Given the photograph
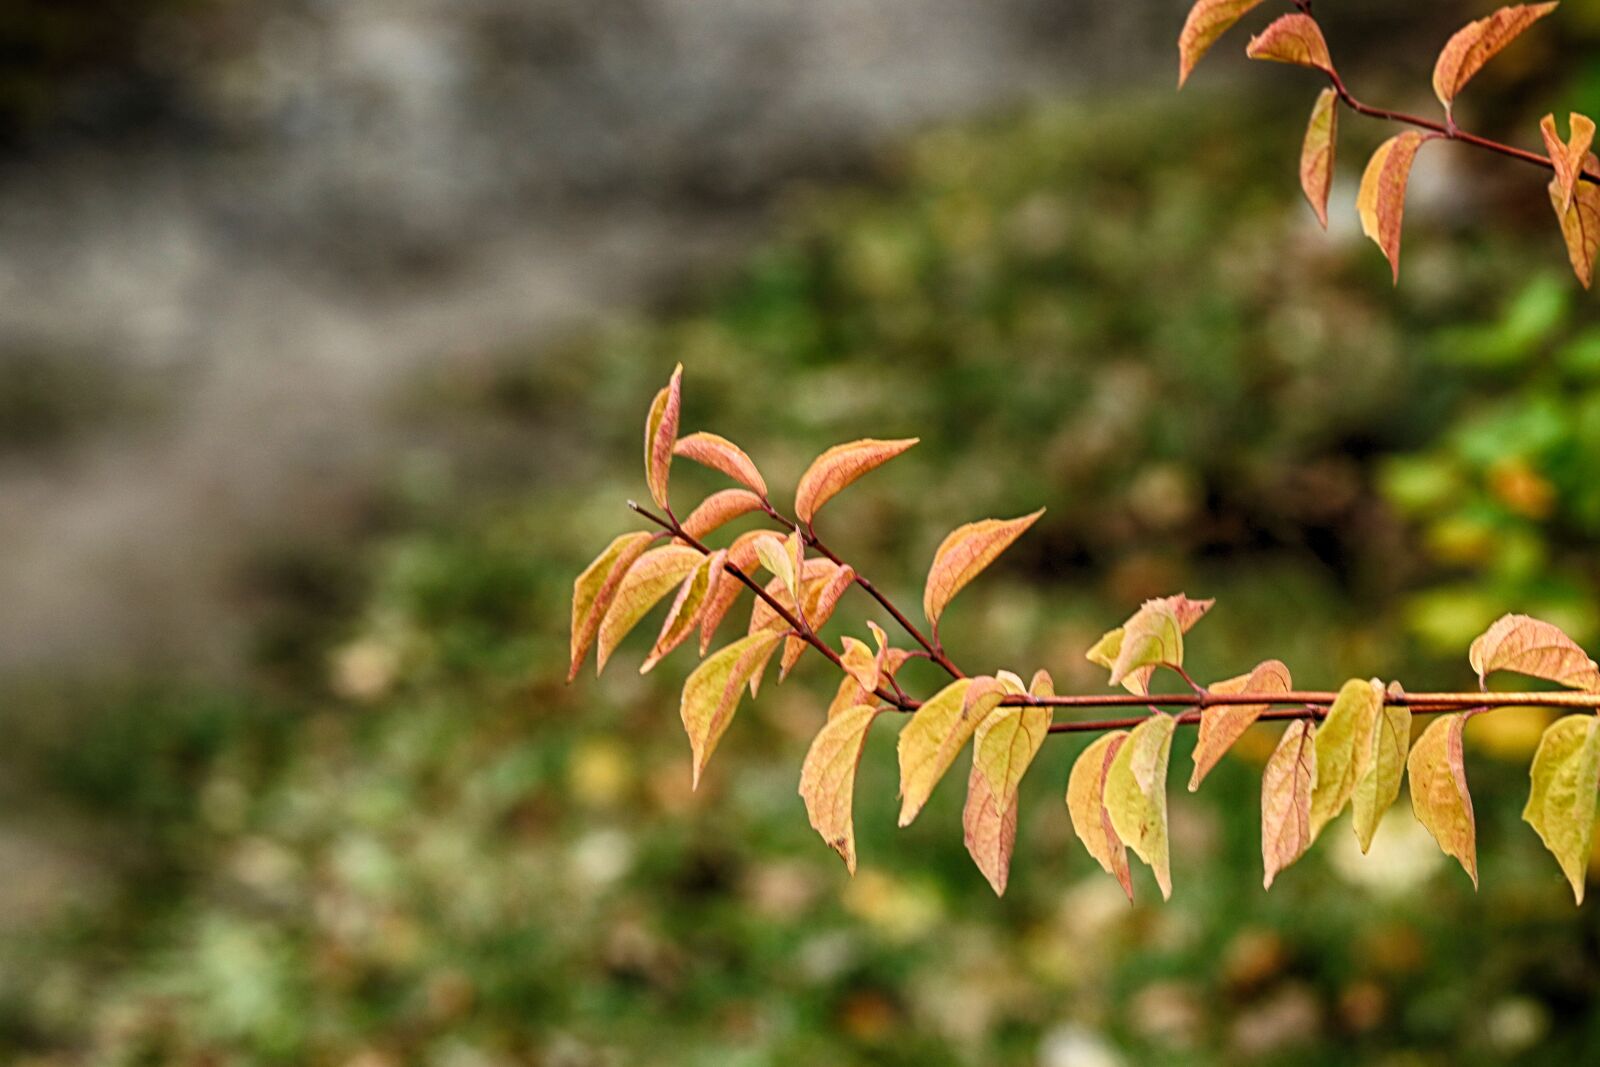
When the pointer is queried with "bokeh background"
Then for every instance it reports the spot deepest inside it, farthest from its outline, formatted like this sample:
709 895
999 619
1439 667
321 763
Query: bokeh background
327 330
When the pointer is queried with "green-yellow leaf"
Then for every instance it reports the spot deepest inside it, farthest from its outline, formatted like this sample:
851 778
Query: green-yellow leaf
1344 749
1287 783
660 434
1003 746
1222 725
596 587
964 554
711 693
838 467
936 733
1110 650
1561 805
1379 783
784 559
1439 796
828 778
652 576
1534 647
1136 794
1151 638
1086 788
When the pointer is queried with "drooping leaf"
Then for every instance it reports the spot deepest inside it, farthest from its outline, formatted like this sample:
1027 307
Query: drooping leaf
989 830
1534 647
850 692
1344 749
930 742
596 587
821 597
721 454
1580 223
828 778
838 467
1478 42
763 616
1382 199
660 434
720 507
1004 745
1086 788
1222 725
1287 783
1439 796
1295 39
711 693
1561 804
964 554
784 559
652 576
1208 20
684 614
1567 157
741 558
1316 154
1108 651
1136 794
861 663
1379 783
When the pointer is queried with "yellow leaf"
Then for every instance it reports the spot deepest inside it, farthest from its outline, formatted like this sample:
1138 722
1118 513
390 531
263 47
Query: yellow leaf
828 778
1379 783
821 597
651 577
1208 20
1580 223
1151 638
720 507
1086 788
1561 805
684 614
838 467
596 587
1439 796
1478 42
1344 749
989 830
711 693
1136 794
930 741
964 554
1567 157
1042 685
1286 787
1005 743
1108 652
1382 199
861 664
1534 647
850 692
721 454
1295 39
660 434
1316 154
784 559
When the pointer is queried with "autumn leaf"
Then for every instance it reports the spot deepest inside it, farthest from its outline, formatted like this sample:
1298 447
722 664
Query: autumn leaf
741 558
660 433
684 614
989 830
964 554
838 467
1561 804
596 587
1382 199
1222 725
784 559
1580 223
1136 794
1003 746
1151 638
1534 647
930 742
1005 743
1295 39
1042 684
721 454
1108 651
1316 154
1207 21
821 597
861 663
850 693
652 576
1478 42
1439 796
763 616
1287 783
1379 783
1344 749
719 508
1086 788
1567 157
828 778
711 693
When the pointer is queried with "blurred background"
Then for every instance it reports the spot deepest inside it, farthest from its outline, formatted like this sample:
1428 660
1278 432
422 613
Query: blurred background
327 331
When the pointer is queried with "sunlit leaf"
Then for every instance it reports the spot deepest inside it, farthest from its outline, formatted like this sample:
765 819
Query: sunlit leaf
652 576
723 455
1567 157
660 434
1287 783
828 777
684 614
1580 223
1534 647
964 554
1042 684
1136 794
596 587
1379 783
936 733
720 507
1151 638
1439 794
1381 202
1478 42
1295 39
1316 153
1108 652
1208 20
1561 804
1344 749
838 467
711 693
1086 788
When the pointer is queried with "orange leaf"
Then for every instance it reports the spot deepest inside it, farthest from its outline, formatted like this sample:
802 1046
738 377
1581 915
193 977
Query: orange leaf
1534 647
1567 157
1086 788
1580 223
821 597
1286 785
711 693
721 454
660 433
989 829
838 467
1382 200
1224 724
741 557
1208 20
1316 154
719 508
828 778
1439 796
684 613
964 554
651 577
1478 42
1293 39
596 587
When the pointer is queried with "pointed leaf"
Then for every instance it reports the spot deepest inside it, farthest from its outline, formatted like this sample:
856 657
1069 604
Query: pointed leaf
937 731
596 588
720 507
1316 154
784 559
1295 39
1344 749
1208 20
1222 725
1004 744
1042 685
741 558
1567 157
1561 805
1379 783
1086 788
1382 199
828 778
1439 796
684 614
652 576
821 597
1534 647
1136 794
1151 638
989 830
711 693
1286 787
838 467
850 692
1478 42
964 554
721 454
1108 651
861 663
1580 223
660 434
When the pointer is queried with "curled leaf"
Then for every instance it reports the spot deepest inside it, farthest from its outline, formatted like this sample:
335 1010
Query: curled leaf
684 614
1382 199
1136 794
1086 788
1580 223
850 693
596 587
1151 638
1567 157
1109 649
862 664
720 507
721 454
1534 647
828 778
1207 21
1561 804
1287 783
1316 154
1439 796
652 576
1295 39
838 467
964 554
1222 725
1344 749
711 693
1478 42
660 433
937 731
